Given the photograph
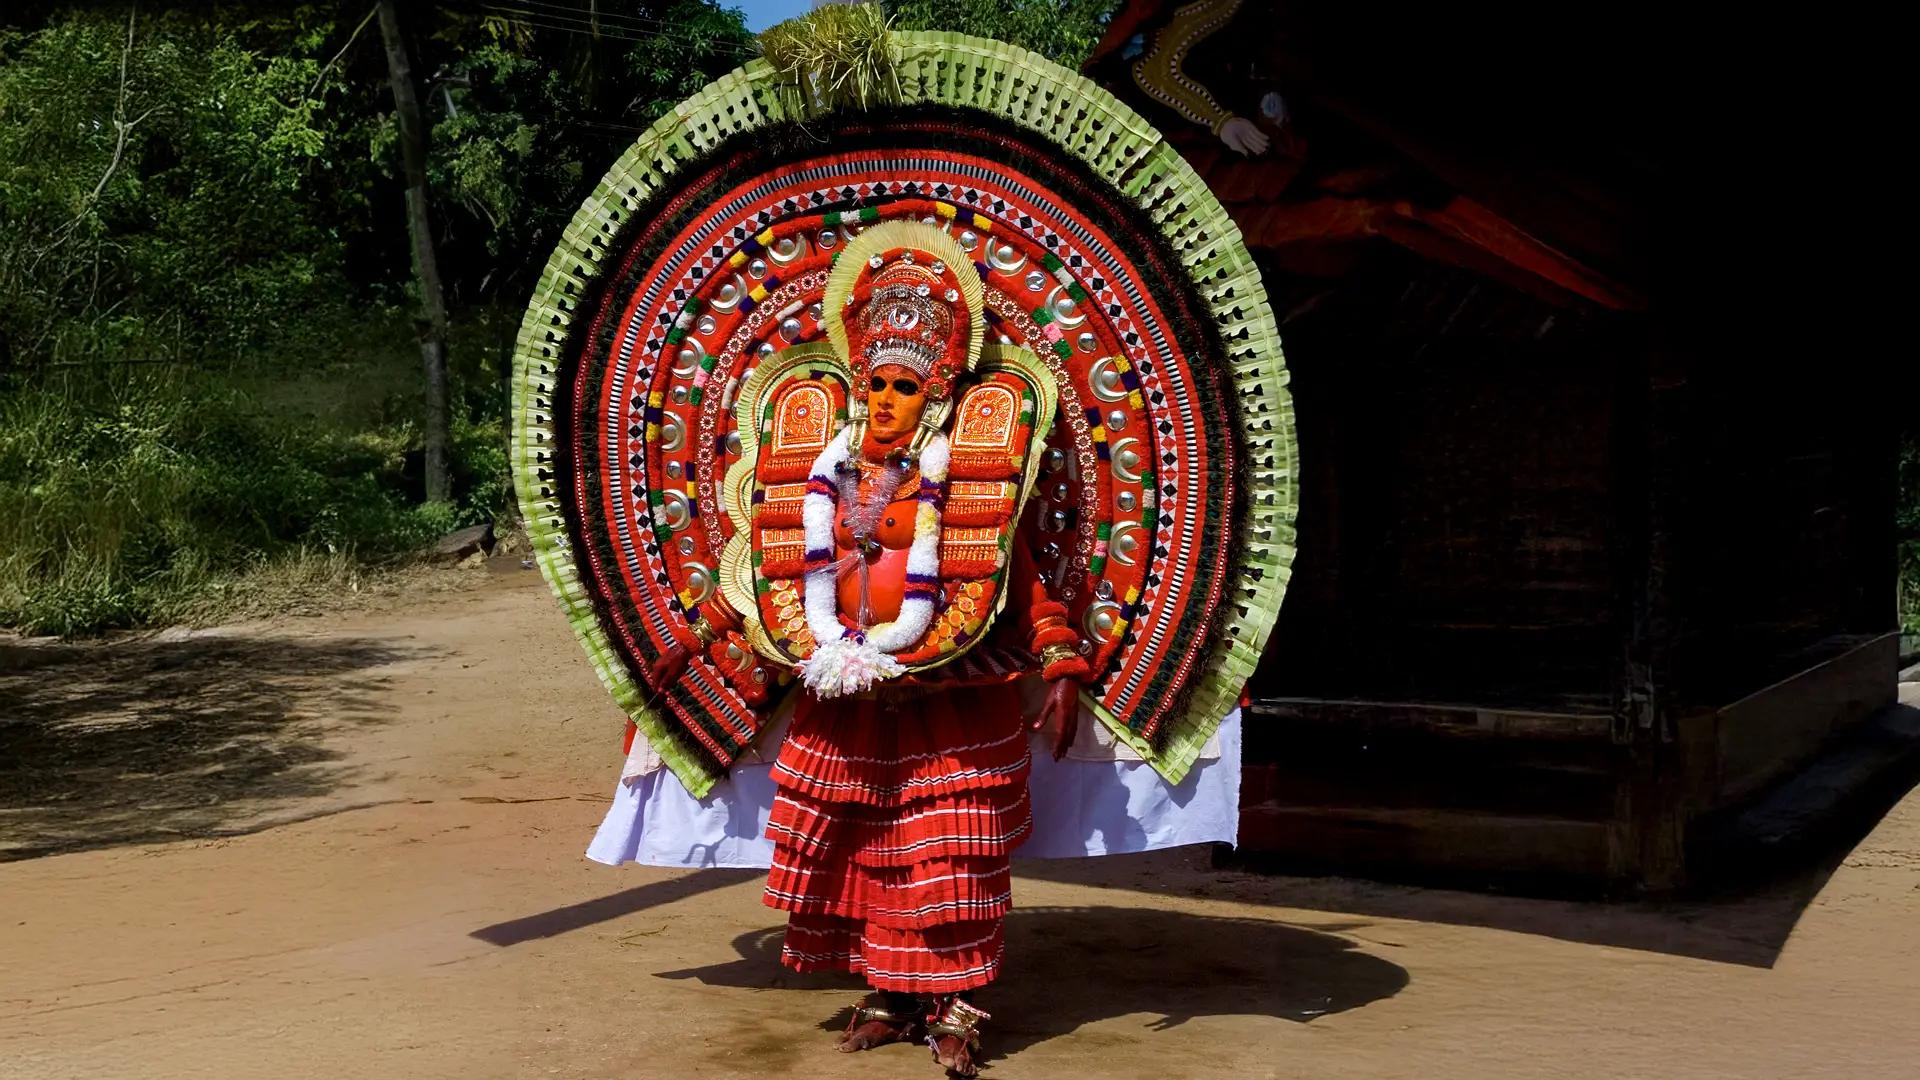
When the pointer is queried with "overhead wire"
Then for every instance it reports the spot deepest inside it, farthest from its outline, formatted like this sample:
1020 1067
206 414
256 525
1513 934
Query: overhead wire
617 31
586 28
630 21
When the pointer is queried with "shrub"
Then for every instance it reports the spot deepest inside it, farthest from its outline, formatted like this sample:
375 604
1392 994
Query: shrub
126 493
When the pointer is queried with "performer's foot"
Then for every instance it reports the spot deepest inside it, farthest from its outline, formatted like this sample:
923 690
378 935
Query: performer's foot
954 1035
882 1018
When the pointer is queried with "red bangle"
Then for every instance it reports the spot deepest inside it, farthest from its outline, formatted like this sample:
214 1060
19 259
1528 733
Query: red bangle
1046 610
1055 635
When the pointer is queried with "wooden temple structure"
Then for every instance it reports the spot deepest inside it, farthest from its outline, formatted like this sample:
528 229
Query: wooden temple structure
1596 523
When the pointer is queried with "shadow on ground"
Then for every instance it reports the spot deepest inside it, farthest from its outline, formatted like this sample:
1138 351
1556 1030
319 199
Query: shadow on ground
1747 925
149 740
613 906
1073 966
1746 920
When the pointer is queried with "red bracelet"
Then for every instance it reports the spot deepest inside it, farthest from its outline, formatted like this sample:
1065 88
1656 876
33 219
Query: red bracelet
1055 635
1048 611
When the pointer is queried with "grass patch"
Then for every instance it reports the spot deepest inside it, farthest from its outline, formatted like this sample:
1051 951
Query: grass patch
135 496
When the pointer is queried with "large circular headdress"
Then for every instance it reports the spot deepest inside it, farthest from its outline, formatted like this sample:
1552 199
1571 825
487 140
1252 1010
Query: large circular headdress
1167 502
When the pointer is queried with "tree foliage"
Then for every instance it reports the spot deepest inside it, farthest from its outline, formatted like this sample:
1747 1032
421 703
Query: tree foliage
156 189
188 182
203 251
1063 31
529 113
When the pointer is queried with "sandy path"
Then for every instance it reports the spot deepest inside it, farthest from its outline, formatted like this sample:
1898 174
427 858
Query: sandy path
431 916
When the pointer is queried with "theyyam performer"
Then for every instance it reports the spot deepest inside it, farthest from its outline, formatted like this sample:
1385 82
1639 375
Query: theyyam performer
904 429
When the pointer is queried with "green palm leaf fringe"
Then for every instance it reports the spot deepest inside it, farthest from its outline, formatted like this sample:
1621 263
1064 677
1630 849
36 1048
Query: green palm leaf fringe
965 72
838 56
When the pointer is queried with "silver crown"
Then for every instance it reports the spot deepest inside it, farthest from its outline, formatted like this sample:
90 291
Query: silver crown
917 356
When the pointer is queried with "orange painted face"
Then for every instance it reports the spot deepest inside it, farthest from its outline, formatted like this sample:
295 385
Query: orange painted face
896 397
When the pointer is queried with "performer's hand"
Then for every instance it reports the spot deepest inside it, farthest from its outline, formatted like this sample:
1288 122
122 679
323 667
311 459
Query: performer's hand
1243 135
1060 716
667 670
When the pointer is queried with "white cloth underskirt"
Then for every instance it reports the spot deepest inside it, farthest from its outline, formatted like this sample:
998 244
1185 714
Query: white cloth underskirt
1080 807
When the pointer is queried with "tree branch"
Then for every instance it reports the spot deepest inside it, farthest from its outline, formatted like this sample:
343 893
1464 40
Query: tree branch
351 38
123 130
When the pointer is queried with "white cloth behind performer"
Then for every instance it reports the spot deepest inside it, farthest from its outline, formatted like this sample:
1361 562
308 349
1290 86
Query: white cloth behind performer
1094 802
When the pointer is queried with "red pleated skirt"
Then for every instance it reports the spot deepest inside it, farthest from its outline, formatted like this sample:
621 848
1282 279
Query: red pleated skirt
893 825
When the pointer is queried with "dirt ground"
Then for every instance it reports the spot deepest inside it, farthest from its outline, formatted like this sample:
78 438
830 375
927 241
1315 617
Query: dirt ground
350 845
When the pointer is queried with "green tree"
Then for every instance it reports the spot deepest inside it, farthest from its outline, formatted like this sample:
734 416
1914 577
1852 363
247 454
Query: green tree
241 168
220 189
1063 31
529 111
155 195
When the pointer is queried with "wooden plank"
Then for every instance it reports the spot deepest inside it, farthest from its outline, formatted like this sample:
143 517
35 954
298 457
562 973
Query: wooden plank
1458 719
1426 843
1838 796
1769 732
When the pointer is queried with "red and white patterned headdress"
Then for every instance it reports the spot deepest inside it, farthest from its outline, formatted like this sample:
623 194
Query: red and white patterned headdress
903 292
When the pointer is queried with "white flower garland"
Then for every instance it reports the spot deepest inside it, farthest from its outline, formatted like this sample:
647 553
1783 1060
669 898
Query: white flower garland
844 662
816 519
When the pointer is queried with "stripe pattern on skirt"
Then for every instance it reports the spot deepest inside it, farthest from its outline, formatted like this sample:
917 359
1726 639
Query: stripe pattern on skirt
892 828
